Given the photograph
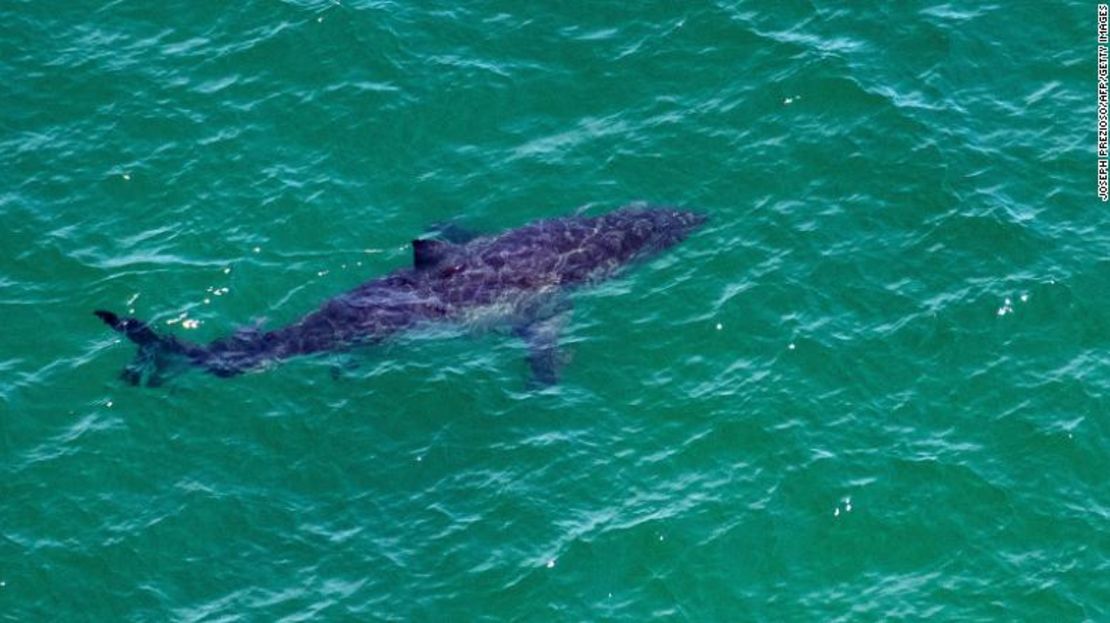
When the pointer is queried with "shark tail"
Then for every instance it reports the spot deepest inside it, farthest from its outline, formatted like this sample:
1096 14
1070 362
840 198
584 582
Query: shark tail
158 354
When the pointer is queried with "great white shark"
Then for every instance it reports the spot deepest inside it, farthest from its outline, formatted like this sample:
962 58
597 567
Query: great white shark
516 279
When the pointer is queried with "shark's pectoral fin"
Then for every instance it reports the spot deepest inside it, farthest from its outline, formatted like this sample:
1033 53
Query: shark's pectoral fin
545 364
545 358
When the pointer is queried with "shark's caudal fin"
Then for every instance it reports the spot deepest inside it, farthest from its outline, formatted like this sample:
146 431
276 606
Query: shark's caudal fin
157 353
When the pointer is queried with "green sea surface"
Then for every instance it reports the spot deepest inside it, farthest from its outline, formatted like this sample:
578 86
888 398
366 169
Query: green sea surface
873 388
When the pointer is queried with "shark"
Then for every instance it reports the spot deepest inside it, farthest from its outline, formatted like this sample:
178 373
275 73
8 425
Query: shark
519 279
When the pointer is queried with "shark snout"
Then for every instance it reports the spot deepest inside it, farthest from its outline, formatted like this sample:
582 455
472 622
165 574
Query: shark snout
681 221
692 220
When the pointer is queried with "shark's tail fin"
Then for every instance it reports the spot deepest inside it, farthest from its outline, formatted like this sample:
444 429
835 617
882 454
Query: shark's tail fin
157 353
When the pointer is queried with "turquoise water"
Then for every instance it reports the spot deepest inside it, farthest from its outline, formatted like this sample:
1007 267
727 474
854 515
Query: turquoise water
874 388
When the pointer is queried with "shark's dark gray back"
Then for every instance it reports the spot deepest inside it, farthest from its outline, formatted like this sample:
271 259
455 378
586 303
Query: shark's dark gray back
556 252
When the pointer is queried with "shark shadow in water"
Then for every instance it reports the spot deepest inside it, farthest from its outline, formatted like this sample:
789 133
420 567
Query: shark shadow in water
517 278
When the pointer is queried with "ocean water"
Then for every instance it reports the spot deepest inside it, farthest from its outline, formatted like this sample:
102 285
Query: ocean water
873 388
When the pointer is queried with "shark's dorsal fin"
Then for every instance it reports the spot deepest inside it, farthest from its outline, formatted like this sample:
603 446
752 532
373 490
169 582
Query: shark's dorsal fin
428 253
